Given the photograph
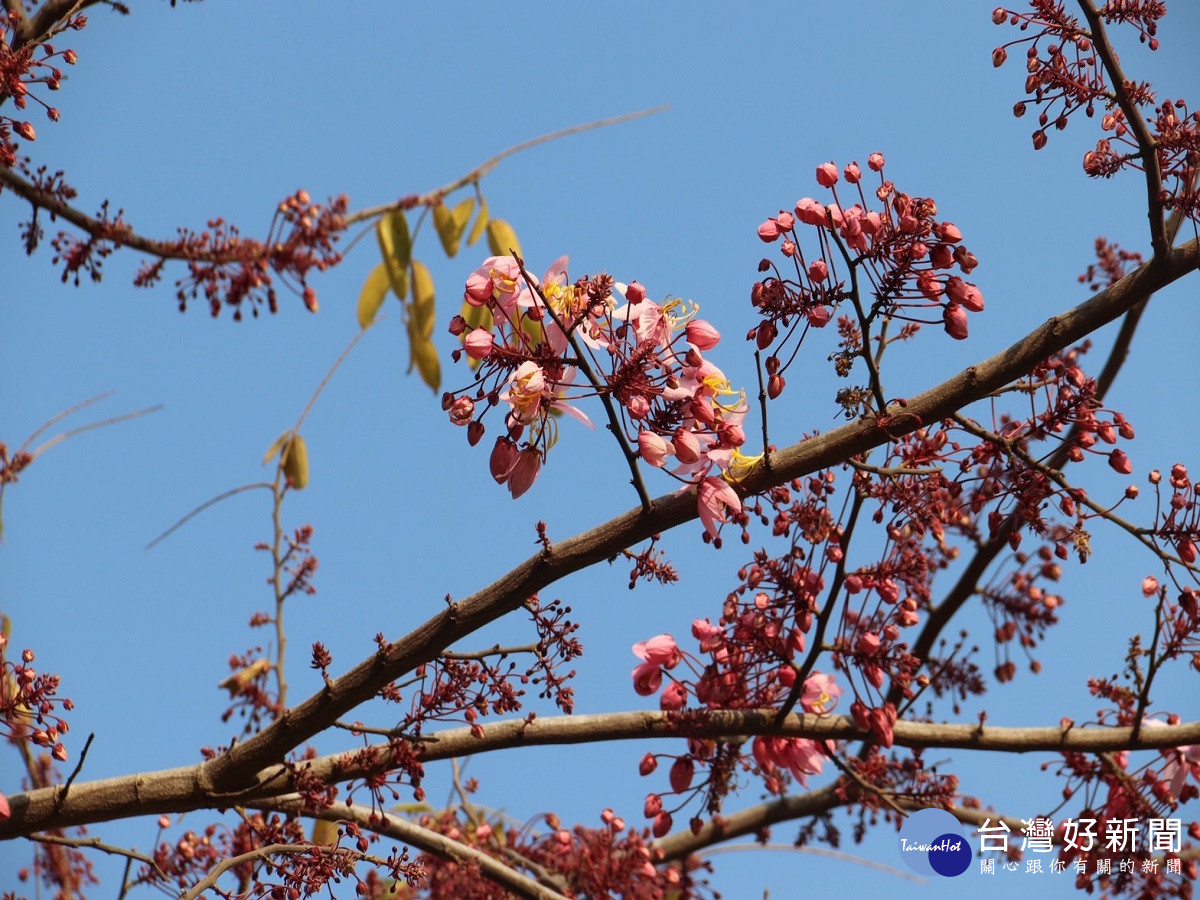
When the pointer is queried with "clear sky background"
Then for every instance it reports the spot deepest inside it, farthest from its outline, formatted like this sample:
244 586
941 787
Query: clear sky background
223 109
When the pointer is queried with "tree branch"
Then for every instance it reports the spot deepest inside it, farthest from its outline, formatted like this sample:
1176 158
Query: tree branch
179 790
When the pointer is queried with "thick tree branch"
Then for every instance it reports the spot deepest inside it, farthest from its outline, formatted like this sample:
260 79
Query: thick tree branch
179 790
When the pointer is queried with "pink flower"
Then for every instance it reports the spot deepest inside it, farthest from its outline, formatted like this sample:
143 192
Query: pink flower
1181 761
875 161
955 321
653 448
635 293
817 270
852 172
701 335
785 221
478 343
673 697
827 175
768 231
709 635
660 650
524 472
524 394
683 770
964 294
821 694
1120 462
504 457
497 279
810 212
1149 586
714 498
647 679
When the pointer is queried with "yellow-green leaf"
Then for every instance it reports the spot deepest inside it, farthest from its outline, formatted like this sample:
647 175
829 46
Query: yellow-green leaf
396 246
295 462
481 222
477 316
502 239
424 308
274 449
324 831
424 356
451 224
373 293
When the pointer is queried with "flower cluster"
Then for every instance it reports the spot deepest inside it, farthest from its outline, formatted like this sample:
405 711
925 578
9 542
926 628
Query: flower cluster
22 66
1068 69
901 249
541 344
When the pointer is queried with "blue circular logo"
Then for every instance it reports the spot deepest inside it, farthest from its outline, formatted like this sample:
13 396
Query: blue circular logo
931 843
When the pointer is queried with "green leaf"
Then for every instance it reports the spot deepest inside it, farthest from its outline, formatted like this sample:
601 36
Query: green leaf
373 293
396 246
502 239
295 462
424 356
274 449
481 221
451 224
424 307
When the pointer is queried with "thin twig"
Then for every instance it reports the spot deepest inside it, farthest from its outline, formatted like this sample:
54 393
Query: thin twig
205 505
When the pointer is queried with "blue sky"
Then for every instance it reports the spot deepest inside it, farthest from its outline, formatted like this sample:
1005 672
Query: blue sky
220 109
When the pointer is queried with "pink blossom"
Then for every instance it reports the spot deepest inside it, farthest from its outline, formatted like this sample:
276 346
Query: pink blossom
1181 762
504 457
497 279
478 343
785 221
852 172
653 448
1149 586
524 472
714 498
817 270
821 693
687 446
682 772
827 175
635 293
875 161
673 698
768 231
819 317
929 286
810 212
709 635
524 394
964 294
660 650
647 679
701 334
1120 462
955 321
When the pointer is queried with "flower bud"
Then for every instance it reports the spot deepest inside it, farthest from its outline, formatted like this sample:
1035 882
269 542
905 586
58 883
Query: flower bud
827 175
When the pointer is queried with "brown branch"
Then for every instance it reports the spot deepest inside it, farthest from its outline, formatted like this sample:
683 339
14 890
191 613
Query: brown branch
175 250
94 843
1147 146
422 838
180 790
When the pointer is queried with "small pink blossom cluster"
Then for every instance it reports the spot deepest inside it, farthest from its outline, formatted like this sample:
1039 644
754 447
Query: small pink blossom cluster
544 343
900 252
